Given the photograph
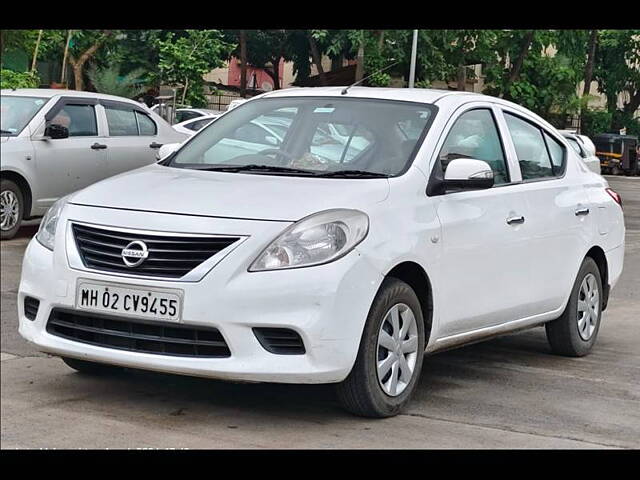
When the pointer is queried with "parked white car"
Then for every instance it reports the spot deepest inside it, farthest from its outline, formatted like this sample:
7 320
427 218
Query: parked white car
234 103
457 217
585 148
190 127
55 142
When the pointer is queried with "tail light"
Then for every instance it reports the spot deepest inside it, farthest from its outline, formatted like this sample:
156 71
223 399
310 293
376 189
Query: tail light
615 195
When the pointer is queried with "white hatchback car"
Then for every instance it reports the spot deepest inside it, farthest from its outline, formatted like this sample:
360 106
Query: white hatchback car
191 126
442 219
585 148
55 142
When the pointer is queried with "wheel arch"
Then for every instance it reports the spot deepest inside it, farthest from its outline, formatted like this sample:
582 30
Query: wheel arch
416 277
597 254
22 182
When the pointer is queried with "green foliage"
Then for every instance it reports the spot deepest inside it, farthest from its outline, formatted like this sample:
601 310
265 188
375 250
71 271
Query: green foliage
183 60
11 79
108 80
618 64
621 119
595 122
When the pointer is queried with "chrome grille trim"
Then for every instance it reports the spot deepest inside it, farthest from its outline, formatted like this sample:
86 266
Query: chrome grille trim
161 255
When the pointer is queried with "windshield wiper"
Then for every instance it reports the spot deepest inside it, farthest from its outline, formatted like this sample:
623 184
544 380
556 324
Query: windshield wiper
257 168
6 131
353 173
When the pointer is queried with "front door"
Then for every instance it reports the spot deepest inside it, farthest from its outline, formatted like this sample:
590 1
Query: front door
484 266
66 165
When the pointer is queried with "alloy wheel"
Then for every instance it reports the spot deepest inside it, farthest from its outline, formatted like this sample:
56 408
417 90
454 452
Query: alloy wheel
9 210
397 349
588 306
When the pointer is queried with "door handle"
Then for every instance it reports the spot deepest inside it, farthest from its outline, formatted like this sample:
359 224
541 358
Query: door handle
582 211
98 146
155 145
515 220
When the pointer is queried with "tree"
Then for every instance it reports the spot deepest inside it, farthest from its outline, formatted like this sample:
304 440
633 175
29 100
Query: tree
618 67
266 48
184 60
83 46
108 80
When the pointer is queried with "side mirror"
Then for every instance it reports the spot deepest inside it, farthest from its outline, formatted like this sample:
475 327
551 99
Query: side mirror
468 174
55 131
167 149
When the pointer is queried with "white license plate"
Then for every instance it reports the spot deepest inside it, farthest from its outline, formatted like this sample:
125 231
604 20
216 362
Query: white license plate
159 304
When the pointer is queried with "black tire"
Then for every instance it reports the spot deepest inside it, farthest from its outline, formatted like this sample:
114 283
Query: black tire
360 393
9 185
91 368
563 333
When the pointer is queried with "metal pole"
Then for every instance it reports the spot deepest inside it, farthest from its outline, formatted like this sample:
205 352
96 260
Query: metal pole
414 52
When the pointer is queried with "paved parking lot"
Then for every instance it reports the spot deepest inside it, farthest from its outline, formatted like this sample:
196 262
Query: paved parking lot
509 392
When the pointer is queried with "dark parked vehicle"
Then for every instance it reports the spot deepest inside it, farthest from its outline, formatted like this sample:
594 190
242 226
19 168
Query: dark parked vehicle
617 153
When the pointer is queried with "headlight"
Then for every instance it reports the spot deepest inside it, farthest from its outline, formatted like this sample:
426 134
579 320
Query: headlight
47 231
319 238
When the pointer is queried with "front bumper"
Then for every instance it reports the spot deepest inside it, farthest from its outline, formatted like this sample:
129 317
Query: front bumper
326 305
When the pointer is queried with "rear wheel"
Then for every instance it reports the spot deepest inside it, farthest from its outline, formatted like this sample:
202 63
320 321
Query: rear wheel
92 368
389 360
575 332
11 208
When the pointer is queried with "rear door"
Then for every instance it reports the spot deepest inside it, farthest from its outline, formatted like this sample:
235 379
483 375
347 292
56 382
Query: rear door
132 137
485 267
558 211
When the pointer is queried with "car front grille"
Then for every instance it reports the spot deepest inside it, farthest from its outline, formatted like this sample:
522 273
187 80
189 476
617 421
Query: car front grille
170 256
137 335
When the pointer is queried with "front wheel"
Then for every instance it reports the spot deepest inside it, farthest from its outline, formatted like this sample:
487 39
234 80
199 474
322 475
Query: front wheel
575 332
11 208
390 356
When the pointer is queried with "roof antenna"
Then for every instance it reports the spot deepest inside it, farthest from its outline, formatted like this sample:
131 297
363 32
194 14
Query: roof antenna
346 89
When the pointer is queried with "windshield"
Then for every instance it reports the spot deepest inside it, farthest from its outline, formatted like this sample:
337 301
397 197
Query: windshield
304 135
16 112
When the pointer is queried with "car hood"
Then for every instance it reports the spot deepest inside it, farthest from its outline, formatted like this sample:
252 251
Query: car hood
233 195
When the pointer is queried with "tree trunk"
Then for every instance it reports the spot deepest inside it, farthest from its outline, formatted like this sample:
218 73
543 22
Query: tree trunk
64 58
184 92
633 104
273 72
517 66
588 71
317 59
35 52
243 63
462 78
360 62
78 64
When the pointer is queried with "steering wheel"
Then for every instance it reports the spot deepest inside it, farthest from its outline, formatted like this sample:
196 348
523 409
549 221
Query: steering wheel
277 151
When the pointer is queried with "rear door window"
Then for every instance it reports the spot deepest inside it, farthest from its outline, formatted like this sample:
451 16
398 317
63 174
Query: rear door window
121 122
556 151
146 126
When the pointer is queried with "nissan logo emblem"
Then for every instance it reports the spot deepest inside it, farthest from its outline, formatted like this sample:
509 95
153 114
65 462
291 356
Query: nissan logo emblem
134 253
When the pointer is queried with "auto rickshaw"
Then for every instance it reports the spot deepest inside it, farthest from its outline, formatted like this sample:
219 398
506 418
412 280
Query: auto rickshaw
618 154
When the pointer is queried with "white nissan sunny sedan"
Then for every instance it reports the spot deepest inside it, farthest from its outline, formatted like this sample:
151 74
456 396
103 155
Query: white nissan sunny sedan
382 225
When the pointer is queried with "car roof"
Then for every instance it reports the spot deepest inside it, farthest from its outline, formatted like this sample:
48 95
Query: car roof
52 92
422 95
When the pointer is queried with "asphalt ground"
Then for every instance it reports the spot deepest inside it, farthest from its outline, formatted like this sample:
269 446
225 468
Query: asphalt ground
509 392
